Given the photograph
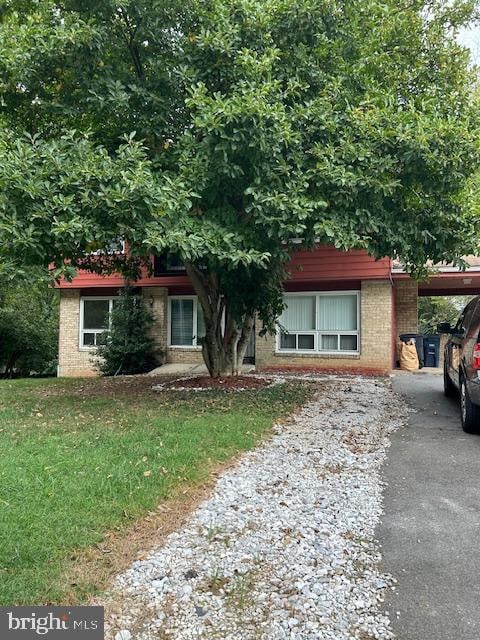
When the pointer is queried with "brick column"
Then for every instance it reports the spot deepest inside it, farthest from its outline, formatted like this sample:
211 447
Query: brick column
264 348
406 307
376 324
156 299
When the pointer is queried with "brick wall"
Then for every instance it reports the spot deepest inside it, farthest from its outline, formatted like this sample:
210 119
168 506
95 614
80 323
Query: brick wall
376 324
375 338
72 361
406 309
156 299
184 355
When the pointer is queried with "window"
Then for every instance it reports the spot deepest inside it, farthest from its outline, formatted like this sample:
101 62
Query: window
94 320
114 247
186 323
463 323
168 263
320 323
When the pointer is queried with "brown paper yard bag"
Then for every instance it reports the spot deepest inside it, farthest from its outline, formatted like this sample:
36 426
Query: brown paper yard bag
408 356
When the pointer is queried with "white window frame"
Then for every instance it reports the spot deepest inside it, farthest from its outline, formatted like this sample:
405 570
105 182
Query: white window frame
194 345
317 333
82 330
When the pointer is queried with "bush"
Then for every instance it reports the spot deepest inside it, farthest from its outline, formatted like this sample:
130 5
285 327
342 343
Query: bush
128 347
28 326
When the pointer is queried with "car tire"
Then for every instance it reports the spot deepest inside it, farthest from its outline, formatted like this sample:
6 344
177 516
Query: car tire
469 412
449 389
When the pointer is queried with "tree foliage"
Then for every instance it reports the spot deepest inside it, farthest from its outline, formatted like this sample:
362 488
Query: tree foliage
128 347
435 309
257 121
28 325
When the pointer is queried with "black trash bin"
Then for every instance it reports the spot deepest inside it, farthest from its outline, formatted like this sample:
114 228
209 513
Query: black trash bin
405 337
431 348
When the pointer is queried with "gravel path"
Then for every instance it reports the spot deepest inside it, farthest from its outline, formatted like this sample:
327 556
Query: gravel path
284 547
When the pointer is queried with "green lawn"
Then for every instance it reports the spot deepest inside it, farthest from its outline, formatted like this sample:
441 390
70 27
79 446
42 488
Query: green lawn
81 457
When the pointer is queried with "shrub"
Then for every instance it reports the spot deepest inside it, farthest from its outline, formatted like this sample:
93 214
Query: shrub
128 347
28 326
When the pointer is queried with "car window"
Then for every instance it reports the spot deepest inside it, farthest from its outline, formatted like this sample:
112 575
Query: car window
466 316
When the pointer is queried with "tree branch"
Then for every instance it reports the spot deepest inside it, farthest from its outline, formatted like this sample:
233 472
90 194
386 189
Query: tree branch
199 285
129 37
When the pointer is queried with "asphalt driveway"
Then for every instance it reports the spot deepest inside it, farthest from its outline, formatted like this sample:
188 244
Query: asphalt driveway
431 529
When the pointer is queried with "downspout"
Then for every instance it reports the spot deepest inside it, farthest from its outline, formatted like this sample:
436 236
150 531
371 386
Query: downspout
393 323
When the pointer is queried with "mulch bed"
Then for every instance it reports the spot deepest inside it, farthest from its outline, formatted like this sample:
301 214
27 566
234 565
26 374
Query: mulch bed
232 383
120 387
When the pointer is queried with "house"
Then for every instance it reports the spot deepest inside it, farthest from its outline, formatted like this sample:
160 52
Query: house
344 311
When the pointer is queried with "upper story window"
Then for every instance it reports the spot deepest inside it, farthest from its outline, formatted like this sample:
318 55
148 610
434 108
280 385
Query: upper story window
168 264
186 325
114 247
320 323
95 319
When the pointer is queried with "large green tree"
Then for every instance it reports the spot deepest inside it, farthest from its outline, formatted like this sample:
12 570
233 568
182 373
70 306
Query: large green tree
256 122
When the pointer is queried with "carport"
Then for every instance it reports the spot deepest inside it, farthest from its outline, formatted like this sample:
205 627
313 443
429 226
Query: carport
445 280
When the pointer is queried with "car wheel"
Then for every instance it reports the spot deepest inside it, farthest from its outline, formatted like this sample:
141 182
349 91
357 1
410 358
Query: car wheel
449 388
470 413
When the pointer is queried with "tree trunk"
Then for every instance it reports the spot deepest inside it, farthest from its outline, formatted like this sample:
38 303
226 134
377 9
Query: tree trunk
215 354
243 341
226 341
10 364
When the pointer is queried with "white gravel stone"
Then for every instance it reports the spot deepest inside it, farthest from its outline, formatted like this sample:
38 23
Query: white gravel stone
284 547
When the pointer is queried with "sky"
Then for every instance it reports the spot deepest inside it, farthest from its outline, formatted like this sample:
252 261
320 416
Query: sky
471 38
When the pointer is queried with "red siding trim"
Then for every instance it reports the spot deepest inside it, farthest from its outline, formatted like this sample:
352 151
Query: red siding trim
309 268
85 279
458 291
393 328
92 280
100 291
328 263
443 276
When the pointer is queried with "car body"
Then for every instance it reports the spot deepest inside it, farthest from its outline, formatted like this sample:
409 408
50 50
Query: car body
461 374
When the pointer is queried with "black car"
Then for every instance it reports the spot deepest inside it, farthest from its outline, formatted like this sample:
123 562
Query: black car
461 369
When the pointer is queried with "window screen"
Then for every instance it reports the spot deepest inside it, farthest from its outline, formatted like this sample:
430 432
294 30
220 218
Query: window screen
95 314
182 322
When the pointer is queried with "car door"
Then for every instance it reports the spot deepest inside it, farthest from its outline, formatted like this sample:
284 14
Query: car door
470 339
460 340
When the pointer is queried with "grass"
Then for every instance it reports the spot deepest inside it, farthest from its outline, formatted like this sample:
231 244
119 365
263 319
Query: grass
81 458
